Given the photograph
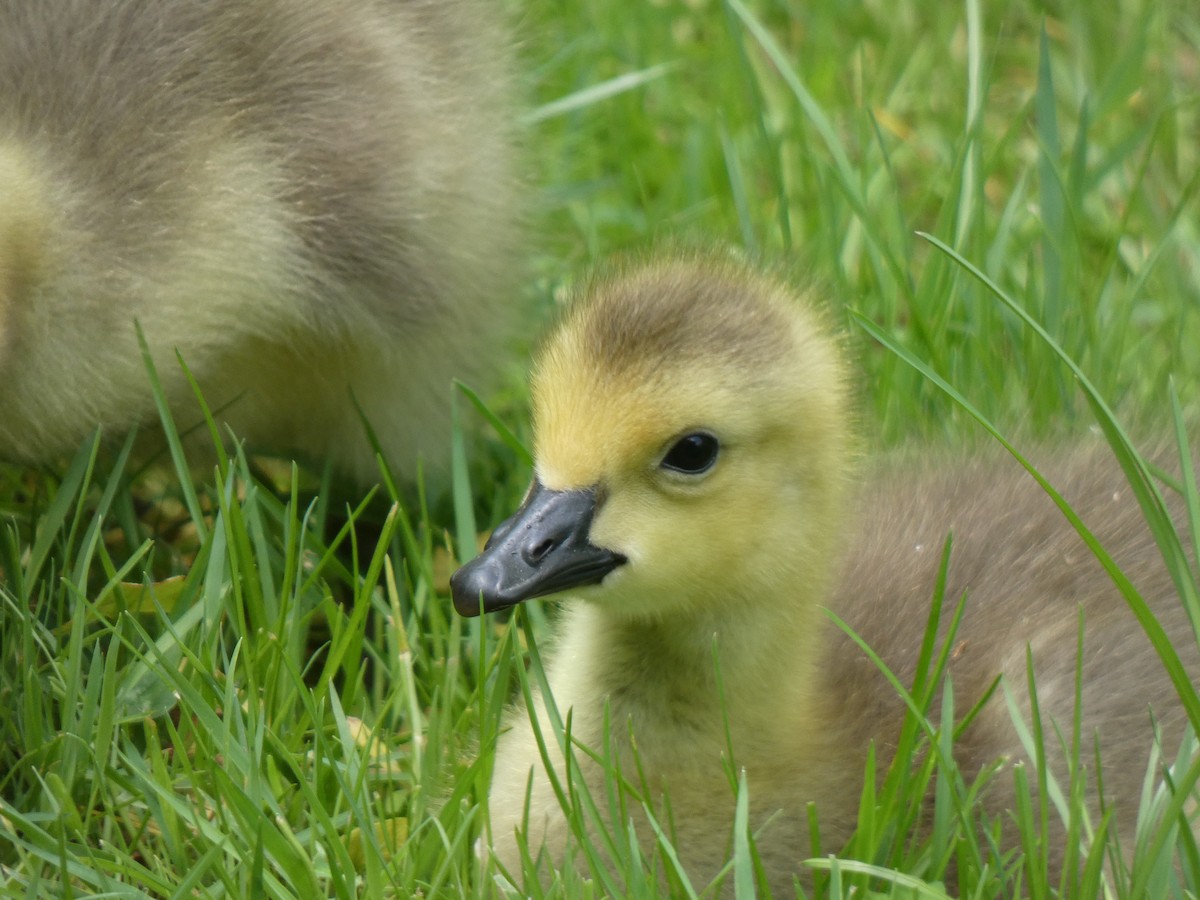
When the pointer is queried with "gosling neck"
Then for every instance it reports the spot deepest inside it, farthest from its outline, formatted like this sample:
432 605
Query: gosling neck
651 668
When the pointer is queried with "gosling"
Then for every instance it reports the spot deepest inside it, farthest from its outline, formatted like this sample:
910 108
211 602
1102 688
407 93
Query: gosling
693 491
315 202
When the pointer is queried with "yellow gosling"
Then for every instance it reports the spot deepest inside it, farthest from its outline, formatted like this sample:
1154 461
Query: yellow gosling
311 200
694 487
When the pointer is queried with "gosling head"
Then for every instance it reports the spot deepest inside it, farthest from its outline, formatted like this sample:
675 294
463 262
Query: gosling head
690 441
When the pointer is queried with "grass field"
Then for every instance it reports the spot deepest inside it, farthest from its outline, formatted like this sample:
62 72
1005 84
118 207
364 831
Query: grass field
253 685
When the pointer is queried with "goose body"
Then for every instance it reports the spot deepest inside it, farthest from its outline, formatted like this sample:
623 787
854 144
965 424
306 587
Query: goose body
694 498
311 200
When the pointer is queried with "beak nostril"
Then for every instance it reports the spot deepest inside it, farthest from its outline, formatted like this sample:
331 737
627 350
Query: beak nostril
535 554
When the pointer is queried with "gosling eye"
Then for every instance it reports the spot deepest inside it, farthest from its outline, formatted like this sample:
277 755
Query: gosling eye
692 454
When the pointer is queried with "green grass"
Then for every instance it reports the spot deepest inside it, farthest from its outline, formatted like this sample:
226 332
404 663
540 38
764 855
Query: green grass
231 686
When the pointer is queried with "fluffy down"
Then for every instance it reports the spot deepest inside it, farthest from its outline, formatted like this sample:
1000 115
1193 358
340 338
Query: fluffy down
313 201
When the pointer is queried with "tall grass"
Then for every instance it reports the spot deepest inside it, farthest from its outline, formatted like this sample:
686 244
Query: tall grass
240 685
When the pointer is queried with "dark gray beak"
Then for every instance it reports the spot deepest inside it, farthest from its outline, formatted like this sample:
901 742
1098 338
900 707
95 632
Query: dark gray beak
541 549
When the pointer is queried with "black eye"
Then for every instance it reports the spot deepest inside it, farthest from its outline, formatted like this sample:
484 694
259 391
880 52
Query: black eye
692 454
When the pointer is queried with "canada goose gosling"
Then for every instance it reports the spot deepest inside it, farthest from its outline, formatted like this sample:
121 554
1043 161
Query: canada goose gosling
692 476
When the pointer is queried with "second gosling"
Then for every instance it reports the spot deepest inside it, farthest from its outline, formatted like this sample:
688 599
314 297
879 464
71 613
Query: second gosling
315 202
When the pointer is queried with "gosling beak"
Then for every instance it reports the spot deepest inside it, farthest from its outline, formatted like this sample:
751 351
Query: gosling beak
541 549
